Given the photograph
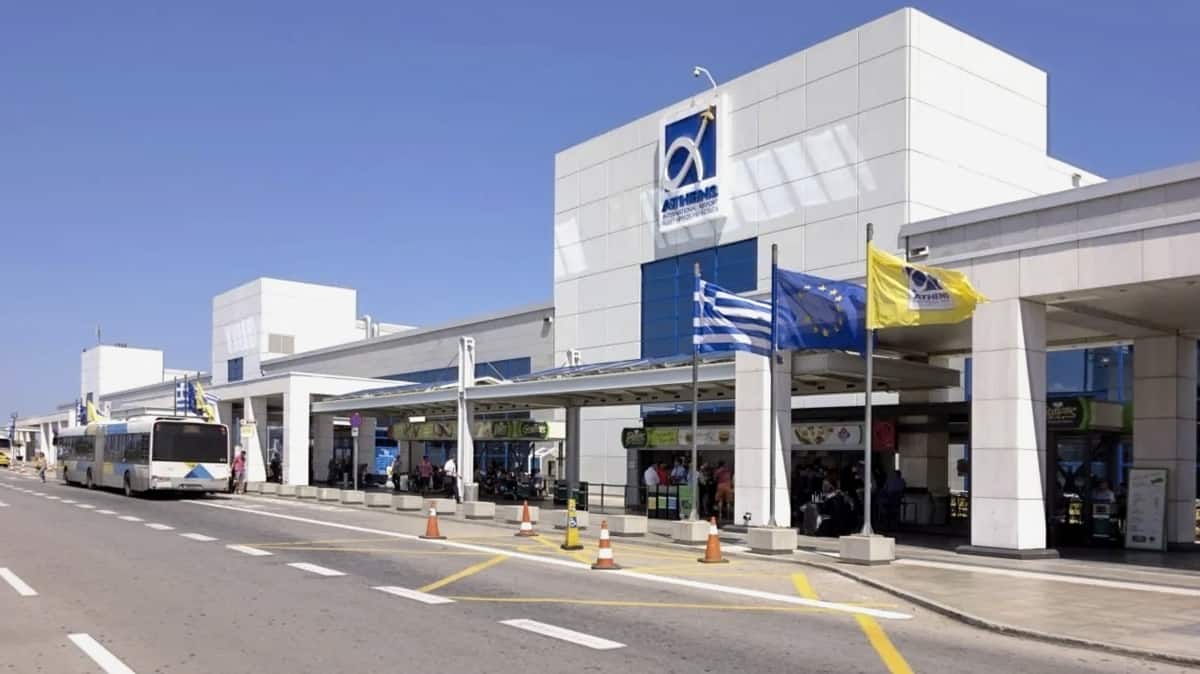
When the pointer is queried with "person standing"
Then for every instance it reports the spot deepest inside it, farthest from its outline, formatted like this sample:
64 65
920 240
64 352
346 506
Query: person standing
425 470
239 473
723 476
40 465
396 468
450 469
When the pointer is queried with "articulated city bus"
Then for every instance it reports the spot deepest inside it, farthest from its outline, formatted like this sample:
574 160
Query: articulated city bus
164 453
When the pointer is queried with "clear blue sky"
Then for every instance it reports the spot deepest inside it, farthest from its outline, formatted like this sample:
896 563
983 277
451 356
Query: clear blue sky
153 154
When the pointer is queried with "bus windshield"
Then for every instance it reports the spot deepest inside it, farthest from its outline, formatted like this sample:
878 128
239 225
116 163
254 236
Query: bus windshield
198 443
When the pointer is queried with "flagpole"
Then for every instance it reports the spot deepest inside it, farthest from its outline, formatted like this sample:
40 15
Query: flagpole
868 431
771 382
692 479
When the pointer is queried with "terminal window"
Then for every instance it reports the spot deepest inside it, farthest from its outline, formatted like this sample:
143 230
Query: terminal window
667 287
233 369
500 369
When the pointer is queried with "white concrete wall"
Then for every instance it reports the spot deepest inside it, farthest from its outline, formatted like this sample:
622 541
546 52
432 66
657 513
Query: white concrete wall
518 335
315 316
901 119
108 368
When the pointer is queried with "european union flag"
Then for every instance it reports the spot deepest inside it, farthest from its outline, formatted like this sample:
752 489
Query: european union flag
817 313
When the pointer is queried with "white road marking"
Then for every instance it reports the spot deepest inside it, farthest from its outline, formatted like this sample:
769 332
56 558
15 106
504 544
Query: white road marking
564 634
199 537
1059 578
107 512
17 584
3 504
579 566
414 595
99 654
313 568
68 500
247 550
85 506
160 527
130 518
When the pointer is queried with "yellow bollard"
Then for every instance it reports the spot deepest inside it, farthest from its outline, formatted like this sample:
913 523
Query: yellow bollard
572 541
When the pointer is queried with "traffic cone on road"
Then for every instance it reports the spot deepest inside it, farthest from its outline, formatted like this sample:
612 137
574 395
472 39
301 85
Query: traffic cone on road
431 527
526 523
712 549
604 555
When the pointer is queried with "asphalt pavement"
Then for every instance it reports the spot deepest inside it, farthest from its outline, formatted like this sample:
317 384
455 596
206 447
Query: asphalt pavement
255 584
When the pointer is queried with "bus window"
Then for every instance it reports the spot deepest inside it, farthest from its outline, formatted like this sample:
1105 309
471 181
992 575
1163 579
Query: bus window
190 442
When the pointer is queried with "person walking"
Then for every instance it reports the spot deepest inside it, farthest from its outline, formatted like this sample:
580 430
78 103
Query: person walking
239 473
450 468
723 476
40 465
396 468
425 470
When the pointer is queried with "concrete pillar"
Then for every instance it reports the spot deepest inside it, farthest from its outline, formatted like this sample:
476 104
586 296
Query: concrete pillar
296 435
366 443
1008 429
322 437
466 438
1164 424
225 411
255 410
751 432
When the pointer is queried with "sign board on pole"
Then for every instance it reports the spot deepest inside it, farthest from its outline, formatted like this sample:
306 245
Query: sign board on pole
355 420
1146 513
249 429
354 431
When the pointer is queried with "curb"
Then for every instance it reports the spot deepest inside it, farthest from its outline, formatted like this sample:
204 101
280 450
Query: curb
1004 628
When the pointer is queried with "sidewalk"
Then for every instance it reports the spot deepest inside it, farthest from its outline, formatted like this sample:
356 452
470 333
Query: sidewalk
1141 606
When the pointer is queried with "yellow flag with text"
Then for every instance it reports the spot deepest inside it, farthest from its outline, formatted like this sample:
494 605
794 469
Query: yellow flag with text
93 414
900 293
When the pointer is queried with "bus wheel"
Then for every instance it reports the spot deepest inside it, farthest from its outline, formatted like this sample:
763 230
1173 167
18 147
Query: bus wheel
128 486
88 483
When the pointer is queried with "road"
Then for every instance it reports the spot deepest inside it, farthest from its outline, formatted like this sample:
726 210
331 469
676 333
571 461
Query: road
92 581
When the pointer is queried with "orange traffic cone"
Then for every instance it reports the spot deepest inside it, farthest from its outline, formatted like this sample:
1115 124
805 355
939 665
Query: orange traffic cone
526 523
431 527
604 555
712 550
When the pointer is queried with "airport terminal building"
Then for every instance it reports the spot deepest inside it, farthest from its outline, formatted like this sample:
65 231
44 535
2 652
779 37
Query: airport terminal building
1081 368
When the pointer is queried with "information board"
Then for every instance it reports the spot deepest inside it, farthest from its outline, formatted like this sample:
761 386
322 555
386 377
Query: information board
1146 514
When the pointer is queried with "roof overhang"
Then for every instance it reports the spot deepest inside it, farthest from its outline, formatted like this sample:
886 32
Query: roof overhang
812 374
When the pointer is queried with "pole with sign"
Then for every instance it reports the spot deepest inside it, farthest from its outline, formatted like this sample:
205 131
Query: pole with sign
355 423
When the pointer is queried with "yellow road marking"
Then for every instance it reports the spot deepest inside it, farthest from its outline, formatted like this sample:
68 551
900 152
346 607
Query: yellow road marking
579 556
470 570
895 663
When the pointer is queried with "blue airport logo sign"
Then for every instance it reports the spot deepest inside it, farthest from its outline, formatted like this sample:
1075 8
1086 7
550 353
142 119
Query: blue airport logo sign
690 162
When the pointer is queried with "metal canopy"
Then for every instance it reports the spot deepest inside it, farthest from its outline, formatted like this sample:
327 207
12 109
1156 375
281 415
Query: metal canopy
639 382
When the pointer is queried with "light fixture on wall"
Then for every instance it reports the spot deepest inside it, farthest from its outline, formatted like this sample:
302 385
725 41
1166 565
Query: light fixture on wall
697 71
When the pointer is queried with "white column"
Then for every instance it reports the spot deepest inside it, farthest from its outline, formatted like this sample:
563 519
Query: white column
466 441
1008 426
751 432
322 446
225 411
1164 424
924 455
295 435
254 410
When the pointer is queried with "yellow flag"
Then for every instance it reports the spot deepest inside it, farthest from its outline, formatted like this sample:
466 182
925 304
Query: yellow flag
900 293
93 414
203 405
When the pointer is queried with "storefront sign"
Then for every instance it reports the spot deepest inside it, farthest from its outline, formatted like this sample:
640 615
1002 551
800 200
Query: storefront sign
504 429
249 429
634 438
708 437
692 154
1146 514
1067 415
827 436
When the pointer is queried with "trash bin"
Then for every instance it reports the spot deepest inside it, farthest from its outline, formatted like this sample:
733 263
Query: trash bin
581 494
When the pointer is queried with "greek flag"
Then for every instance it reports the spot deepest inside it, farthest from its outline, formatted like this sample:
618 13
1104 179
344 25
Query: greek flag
725 321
